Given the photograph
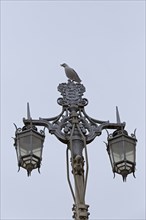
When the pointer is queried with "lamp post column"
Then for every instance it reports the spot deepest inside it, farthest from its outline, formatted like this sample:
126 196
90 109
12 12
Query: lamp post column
80 209
76 145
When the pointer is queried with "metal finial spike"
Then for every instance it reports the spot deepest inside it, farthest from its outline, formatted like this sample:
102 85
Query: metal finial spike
124 178
39 170
124 175
134 175
135 131
15 125
28 111
107 132
117 115
29 173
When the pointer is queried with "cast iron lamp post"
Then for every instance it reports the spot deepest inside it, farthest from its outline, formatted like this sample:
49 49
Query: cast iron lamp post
76 129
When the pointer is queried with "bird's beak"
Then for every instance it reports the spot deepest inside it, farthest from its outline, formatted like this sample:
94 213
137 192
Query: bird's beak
61 64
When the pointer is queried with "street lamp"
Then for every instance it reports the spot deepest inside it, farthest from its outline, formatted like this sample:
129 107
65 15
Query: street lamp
76 129
29 146
122 152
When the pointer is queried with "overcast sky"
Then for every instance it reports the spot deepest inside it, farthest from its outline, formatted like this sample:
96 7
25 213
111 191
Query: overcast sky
104 41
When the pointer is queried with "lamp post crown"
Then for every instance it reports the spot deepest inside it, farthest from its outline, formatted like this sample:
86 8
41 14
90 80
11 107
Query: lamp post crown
72 94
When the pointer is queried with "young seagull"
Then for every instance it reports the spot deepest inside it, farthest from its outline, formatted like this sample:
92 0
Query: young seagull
70 73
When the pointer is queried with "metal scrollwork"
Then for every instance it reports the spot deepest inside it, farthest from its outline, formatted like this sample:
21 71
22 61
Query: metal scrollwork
72 93
73 112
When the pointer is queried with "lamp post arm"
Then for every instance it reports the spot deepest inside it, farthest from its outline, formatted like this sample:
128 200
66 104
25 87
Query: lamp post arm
93 120
112 126
96 130
55 118
38 122
52 128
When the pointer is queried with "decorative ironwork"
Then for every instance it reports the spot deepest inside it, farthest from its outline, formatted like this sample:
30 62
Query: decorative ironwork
72 93
80 212
78 165
75 128
73 112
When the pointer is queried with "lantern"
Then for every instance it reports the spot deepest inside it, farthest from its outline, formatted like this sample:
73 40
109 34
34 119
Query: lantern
122 152
29 146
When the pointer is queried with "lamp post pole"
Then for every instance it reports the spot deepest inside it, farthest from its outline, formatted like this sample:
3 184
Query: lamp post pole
76 130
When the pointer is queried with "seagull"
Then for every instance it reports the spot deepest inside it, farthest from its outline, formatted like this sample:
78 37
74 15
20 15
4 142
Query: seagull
70 73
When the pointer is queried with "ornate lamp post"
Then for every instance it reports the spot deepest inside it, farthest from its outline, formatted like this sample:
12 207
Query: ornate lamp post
76 129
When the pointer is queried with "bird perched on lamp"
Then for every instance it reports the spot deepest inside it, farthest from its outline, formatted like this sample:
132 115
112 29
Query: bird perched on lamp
70 73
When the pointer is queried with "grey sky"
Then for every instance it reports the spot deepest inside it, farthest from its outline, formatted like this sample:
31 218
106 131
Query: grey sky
104 41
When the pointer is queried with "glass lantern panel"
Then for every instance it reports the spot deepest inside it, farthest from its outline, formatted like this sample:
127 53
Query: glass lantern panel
117 152
18 151
24 152
37 152
36 142
30 143
129 148
25 144
37 145
111 157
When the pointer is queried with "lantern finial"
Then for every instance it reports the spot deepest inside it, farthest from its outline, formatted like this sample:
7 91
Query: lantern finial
29 169
117 115
124 175
28 111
